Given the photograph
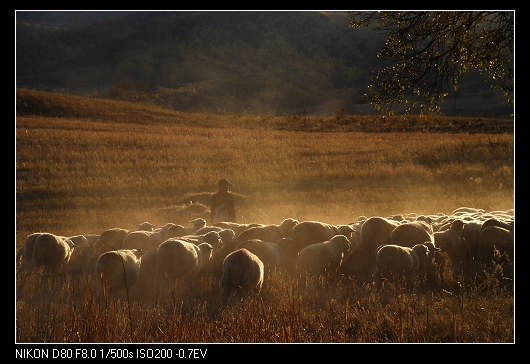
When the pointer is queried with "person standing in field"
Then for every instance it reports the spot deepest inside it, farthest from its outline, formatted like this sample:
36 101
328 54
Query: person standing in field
223 207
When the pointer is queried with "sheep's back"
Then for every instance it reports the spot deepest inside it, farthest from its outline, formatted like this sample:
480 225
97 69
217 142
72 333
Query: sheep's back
50 251
410 234
375 232
244 269
177 258
392 259
311 232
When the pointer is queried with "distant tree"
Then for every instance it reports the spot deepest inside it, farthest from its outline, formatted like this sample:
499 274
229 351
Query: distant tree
131 90
428 52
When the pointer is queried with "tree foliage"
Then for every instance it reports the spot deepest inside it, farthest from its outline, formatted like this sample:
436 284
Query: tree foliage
131 90
427 52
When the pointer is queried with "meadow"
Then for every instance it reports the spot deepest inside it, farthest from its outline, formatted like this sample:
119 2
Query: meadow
84 165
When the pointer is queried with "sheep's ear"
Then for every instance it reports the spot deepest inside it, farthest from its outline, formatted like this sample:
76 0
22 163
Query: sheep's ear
142 252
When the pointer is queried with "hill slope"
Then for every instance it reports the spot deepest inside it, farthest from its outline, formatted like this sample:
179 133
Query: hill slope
301 62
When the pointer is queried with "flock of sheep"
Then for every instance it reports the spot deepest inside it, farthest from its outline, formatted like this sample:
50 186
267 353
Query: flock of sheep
242 256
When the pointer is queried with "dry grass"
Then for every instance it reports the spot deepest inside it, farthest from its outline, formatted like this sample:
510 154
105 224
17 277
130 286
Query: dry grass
85 165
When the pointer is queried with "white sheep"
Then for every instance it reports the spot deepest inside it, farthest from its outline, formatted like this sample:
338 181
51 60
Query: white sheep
110 239
322 258
147 241
412 233
374 232
311 232
177 258
470 236
269 253
466 210
495 238
287 226
214 267
198 223
25 253
497 222
450 241
243 272
238 228
270 233
146 226
176 231
81 256
207 229
117 270
52 252
395 261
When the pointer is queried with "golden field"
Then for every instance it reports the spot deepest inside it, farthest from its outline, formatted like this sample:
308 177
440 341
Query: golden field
84 165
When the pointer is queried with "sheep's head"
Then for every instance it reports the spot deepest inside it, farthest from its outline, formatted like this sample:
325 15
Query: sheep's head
214 239
287 226
198 223
343 241
348 231
432 251
206 251
227 235
146 226
440 239
458 226
422 252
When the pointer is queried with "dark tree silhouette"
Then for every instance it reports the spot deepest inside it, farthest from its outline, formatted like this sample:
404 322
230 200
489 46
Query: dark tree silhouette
131 90
426 53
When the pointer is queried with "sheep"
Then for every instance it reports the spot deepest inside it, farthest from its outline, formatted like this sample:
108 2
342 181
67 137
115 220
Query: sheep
358 263
322 258
207 229
238 228
395 261
52 252
470 236
375 232
495 237
270 233
496 222
80 259
287 226
81 256
265 232
110 239
466 210
243 272
412 233
25 253
450 241
311 232
117 270
269 253
228 238
146 226
198 223
176 231
212 237
177 258
147 241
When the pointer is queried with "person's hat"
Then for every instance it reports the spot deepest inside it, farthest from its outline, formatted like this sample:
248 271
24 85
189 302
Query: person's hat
223 181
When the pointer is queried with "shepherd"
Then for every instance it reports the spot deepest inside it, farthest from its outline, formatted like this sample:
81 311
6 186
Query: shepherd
223 207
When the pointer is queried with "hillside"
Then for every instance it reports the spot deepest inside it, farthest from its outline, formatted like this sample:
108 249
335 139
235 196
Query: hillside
254 62
56 105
